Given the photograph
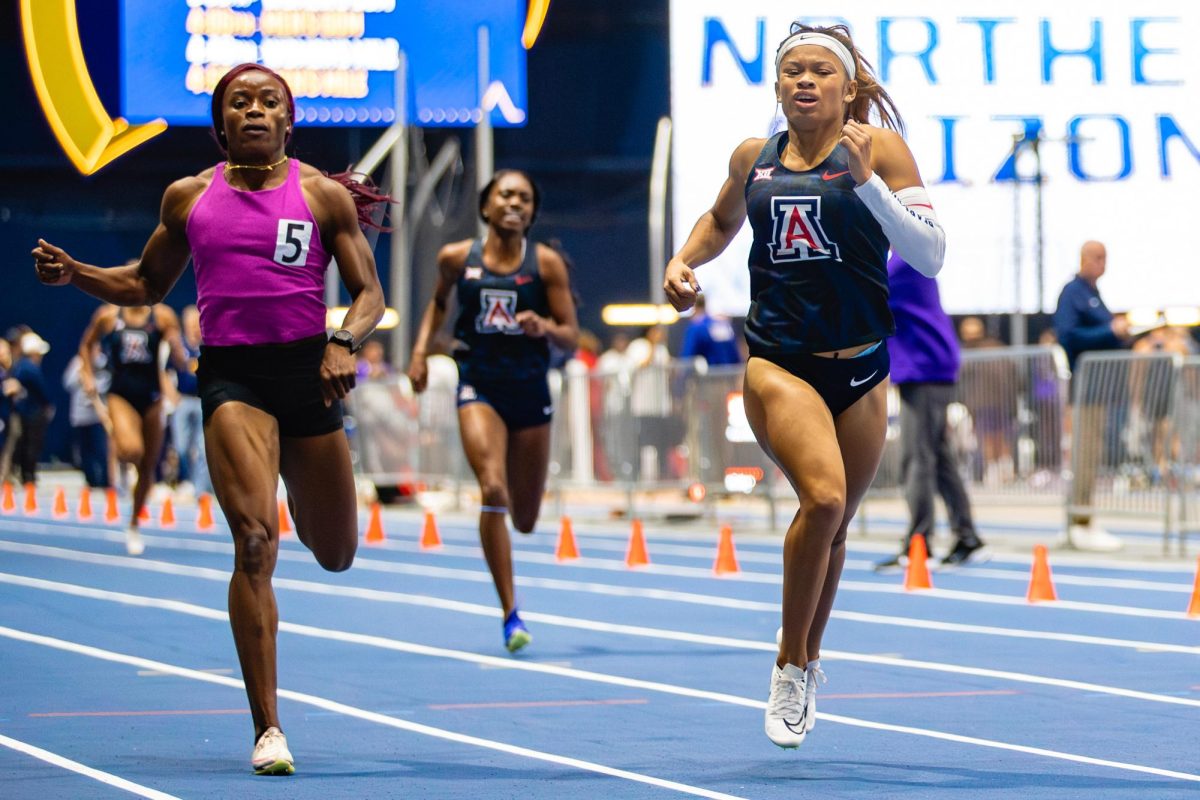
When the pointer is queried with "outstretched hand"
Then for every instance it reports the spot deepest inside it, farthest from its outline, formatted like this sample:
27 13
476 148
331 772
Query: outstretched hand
418 374
680 285
54 266
856 138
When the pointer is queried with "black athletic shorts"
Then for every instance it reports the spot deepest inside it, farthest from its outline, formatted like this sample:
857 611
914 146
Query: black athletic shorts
841 382
283 380
138 393
520 403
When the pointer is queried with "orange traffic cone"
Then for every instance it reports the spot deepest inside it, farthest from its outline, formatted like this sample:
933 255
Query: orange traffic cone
1041 585
166 518
111 513
84 514
31 506
143 514
430 540
566 550
635 554
917 574
204 520
59 511
8 503
285 520
1194 606
375 526
726 563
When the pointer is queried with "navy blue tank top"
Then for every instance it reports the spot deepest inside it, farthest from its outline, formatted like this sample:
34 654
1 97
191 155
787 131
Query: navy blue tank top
818 265
492 345
133 353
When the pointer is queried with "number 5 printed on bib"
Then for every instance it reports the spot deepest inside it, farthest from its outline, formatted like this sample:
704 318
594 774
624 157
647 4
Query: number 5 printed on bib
291 242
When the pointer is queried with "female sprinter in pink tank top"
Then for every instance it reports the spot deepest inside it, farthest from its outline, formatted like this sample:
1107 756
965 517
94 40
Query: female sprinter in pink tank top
260 229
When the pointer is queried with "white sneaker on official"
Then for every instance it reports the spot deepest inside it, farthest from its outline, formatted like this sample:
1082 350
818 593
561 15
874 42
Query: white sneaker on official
1093 539
785 721
815 675
271 755
133 542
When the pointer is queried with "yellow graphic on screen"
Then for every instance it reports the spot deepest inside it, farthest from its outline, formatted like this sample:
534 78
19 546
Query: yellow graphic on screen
85 131
88 135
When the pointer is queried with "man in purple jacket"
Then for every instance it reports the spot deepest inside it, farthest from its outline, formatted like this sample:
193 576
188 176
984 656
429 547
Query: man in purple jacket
925 362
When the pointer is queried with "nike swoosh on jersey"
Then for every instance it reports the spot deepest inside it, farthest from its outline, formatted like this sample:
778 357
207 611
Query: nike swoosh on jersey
828 176
854 383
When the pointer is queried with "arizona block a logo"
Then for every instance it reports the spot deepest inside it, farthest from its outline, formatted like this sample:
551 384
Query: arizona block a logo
798 235
498 312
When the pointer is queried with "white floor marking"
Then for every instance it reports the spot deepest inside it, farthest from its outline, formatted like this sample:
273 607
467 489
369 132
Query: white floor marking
90 772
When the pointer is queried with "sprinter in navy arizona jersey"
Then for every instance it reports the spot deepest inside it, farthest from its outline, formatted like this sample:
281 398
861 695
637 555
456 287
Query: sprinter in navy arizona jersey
825 199
514 300
132 338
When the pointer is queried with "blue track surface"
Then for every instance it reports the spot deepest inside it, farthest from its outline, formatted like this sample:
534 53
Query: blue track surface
646 683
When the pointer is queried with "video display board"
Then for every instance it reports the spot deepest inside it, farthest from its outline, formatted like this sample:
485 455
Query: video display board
1109 88
339 57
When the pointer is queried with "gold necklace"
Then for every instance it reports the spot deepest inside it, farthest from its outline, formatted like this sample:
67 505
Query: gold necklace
262 167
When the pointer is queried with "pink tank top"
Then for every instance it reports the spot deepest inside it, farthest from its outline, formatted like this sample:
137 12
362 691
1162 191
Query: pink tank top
259 263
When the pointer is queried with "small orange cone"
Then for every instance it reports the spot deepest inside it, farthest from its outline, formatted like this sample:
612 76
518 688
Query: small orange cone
917 574
726 563
59 511
1194 606
84 514
635 554
204 520
31 506
166 519
285 519
375 526
8 503
430 540
1041 585
566 550
143 514
111 513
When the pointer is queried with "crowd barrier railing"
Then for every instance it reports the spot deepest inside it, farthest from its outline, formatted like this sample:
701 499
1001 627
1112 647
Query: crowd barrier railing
1133 448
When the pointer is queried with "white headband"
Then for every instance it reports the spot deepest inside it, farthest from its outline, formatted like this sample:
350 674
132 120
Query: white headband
821 40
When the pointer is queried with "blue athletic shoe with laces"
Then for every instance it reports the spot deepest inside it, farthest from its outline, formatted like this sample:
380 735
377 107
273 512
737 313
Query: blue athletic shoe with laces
516 635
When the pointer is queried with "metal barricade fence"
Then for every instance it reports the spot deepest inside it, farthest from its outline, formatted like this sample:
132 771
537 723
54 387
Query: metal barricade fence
1123 425
1184 447
1005 425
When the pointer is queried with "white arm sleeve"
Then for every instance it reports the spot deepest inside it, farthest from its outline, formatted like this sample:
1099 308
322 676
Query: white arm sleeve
908 221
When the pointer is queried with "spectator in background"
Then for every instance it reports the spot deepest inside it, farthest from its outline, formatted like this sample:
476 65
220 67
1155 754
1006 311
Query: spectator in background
33 406
925 360
187 422
990 387
617 434
371 363
649 362
711 337
9 388
13 427
1083 323
90 424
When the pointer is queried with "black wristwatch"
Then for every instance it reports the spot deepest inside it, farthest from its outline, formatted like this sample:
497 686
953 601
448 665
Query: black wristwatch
344 338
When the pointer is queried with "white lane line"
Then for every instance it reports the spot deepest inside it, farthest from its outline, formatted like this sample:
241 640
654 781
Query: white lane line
597 677
360 713
566 622
610 590
374 565
90 772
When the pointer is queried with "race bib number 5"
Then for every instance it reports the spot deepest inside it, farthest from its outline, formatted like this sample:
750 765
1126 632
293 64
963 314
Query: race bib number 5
291 242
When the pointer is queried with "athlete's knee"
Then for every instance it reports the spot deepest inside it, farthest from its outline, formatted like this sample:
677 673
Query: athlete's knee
524 522
337 559
130 452
825 502
254 551
493 493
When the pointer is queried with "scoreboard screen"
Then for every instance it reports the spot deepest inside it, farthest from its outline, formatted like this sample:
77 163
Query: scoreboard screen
338 56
